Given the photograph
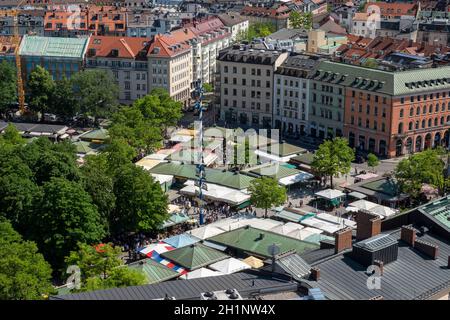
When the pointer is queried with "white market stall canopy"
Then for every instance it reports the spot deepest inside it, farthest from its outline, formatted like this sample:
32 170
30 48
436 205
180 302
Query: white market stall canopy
330 194
366 176
162 178
322 225
205 232
363 204
301 177
336 220
302 234
287 228
234 222
216 193
383 211
230 265
272 157
264 224
201 273
180 138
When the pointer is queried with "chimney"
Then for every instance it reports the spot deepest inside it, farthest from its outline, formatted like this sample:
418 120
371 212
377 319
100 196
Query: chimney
428 249
315 274
379 264
342 239
368 225
408 234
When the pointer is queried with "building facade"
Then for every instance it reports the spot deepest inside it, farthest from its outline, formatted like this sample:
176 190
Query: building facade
292 94
126 58
246 85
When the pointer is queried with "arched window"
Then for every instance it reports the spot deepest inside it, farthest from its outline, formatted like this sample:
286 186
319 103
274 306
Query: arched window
448 118
442 120
410 127
448 106
417 124
430 108
443 107
429 123
435 122
423 124
400 127
401 113
411 112
424 109
436 109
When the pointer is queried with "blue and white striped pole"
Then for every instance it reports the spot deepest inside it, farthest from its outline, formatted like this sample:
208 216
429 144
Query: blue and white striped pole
201 165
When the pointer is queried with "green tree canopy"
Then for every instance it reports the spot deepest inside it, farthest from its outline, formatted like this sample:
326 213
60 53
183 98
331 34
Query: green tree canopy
257 30
40 89
301 20
372 160
102 268
63 102
24 274
424 167
95 91
8 85
63 217
141 205
332 158
208 87
266 193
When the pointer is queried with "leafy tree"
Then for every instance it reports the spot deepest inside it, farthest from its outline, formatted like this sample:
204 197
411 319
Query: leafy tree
208 87
424 167
119 153
101 268
266 193
130 125
40 90
301 20
372 160
24 274
141 204
95 91
63 217
332 158
11 136
97 181
63 102
8 85
258 30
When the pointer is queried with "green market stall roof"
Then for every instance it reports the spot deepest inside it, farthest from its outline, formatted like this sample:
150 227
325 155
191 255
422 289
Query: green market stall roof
154 271
188 171
98 134
194 256
257 242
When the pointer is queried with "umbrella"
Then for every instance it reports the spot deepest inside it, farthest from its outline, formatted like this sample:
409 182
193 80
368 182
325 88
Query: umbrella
230 265
205 232
253 262
201 273
330 194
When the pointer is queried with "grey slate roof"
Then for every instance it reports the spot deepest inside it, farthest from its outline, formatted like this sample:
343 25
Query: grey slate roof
248 282
376 243
411 276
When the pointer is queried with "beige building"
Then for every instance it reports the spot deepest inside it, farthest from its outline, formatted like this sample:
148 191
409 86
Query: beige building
246 85
170 67
126 58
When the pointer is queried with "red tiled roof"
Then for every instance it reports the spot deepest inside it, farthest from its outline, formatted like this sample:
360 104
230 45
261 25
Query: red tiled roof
394 8
165 46
127 47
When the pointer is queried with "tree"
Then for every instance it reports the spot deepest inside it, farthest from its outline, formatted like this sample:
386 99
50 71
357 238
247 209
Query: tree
97 181
63 102
95 91
24 274
141 204
8 86
258 30
332 158
40 90
424 167
119 153
266 193
208 87
101 268
372 160
63 217
300 20
11 136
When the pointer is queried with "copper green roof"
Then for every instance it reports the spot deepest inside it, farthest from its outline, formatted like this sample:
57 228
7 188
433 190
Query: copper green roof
187 171
276 171
98 134
154 271
257 241
194 256
283 149
306 158
53 46
398 83
86 147
439 210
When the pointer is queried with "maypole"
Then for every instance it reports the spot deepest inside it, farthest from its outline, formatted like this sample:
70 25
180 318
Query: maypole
200 172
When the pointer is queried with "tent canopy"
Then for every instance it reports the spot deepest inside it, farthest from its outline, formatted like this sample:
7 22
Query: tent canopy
254 262
217 193
201 273
357 195
181 240
300 177
287 228
363 204
230 265
205 232
330 194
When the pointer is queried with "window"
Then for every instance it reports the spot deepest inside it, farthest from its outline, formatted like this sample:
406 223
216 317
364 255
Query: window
423 124
410 127
244 70
268 73
234 70
401 113
411 112
225 69
435 122
400 127
429 123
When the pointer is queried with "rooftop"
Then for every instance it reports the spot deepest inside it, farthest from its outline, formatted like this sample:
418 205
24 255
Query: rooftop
256 241
251 56
53 46
439 210
154 271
